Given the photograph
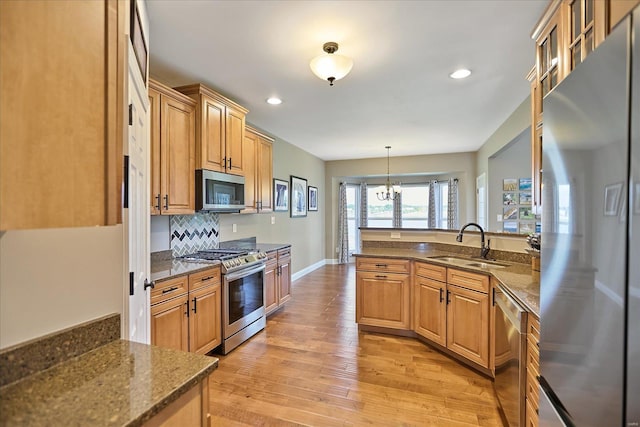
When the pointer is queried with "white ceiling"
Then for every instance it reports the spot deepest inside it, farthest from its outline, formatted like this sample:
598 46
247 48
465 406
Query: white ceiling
398 92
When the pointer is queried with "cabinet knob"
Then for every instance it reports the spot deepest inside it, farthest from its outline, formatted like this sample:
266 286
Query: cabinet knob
148 284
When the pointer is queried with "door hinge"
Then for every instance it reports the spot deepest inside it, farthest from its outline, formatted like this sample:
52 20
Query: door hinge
125 190
130 114
131 283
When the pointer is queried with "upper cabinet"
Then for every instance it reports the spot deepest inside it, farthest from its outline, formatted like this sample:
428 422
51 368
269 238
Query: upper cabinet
220 129
258 168
172 151
63 109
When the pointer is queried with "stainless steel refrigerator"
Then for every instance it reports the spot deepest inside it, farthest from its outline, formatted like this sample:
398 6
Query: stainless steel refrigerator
590 255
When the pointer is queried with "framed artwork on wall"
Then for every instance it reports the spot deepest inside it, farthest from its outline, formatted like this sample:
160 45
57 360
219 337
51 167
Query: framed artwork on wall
280 195
138 40
313 198
298 197
612 194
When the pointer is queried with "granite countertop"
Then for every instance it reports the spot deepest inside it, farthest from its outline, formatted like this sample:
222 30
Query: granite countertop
517 278
122 383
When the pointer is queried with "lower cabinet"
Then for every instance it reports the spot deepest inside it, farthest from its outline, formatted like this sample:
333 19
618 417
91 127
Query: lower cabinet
532 396
277 279
430 310
190 410
468 324
186 312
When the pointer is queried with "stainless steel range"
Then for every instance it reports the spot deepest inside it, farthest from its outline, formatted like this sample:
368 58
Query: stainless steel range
242 292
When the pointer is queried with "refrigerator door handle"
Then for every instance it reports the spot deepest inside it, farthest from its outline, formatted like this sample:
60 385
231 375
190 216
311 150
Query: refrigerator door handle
552 413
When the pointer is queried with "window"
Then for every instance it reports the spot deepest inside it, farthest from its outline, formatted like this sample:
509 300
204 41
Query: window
353 204
415 206
442 206
379 213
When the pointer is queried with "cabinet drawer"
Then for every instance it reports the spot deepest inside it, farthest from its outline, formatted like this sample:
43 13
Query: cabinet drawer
284 252
282 260
431 271
273 255
533 327
384 264
465 279
533 357
533 390
169 289
531 417
207 277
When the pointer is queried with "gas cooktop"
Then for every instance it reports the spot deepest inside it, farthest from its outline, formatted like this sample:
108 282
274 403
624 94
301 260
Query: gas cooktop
231 259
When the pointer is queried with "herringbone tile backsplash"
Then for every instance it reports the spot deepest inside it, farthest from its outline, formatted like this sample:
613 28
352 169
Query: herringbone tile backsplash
192 233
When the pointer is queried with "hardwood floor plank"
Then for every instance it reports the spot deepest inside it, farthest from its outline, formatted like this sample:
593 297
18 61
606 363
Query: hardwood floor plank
311 366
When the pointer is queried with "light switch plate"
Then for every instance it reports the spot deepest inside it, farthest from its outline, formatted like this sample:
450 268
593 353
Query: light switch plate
234 227
499 218
273 220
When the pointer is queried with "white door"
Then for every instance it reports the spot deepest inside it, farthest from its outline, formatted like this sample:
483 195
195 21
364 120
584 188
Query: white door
481 200
138 212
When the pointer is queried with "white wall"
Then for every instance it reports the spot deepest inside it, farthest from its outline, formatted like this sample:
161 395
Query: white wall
56 278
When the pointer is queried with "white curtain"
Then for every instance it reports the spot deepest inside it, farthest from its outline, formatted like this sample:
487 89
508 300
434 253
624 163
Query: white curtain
363 205
343 226
433 189
397 210
452 204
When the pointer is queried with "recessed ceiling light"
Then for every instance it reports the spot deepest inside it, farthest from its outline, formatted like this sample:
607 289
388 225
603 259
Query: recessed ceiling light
274 101
460 74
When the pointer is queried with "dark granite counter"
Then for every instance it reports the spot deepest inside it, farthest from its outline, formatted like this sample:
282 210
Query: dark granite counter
167 269
517 278
120 383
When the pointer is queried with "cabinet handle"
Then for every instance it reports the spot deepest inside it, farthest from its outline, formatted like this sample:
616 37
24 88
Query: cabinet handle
229 163
204 279
166 291
380 276
381 265
194 305
493 296
448 297
187 312
148 284
157 205
166 201
441 294
224 162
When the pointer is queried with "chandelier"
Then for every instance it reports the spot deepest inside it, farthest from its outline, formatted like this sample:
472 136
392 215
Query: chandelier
388 191
331 66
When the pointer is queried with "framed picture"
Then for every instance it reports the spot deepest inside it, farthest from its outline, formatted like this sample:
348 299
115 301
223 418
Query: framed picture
138 40
510 212
527 227
612 195
525 184
313 198
510 226
298 197
526 213
509 199
525 199
280 195
510 184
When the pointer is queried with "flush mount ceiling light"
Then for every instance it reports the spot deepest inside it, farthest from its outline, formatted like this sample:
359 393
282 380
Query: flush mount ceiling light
460 74
274 101
388 191
330 66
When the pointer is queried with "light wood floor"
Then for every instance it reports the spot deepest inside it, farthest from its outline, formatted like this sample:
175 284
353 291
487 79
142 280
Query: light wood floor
311 366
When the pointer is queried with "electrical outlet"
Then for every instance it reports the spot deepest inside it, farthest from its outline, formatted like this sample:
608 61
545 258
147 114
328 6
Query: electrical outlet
273 220
395 235
337 250
499 217
234 227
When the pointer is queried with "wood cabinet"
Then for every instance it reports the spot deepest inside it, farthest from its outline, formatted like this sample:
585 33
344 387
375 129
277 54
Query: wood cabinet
532 394
63 108
189 410
172 151
277 279
454 314
258 172
383 296
186 312
220 130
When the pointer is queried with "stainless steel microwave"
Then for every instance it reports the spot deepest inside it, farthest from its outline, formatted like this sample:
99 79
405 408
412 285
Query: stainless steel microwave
219 192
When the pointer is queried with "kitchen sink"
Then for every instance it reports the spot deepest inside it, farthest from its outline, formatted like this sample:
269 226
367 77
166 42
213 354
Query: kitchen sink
467 262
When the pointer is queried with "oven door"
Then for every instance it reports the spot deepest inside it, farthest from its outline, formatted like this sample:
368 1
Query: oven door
243 298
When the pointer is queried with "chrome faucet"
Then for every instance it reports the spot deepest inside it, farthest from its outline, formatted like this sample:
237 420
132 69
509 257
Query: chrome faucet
484 250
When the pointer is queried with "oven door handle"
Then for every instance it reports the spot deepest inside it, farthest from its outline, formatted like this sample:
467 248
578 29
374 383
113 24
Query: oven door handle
230 277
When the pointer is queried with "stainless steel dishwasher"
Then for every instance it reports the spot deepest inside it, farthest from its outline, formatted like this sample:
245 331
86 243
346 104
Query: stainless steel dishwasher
509 344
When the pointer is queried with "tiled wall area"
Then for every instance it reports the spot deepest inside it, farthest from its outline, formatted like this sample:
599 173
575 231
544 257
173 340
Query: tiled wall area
192 233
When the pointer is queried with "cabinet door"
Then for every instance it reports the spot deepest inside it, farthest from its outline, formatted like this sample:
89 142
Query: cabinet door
468 324
284 279
265 175
205 327
178 157
170 324
251 189
154 120
430 310
235 121
270 288
210 152
382 299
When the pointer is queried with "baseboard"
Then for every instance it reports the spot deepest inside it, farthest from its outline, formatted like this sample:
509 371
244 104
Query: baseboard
307 270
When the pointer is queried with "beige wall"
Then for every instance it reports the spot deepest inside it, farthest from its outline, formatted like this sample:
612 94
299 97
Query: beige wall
306 234
56 278
461 165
